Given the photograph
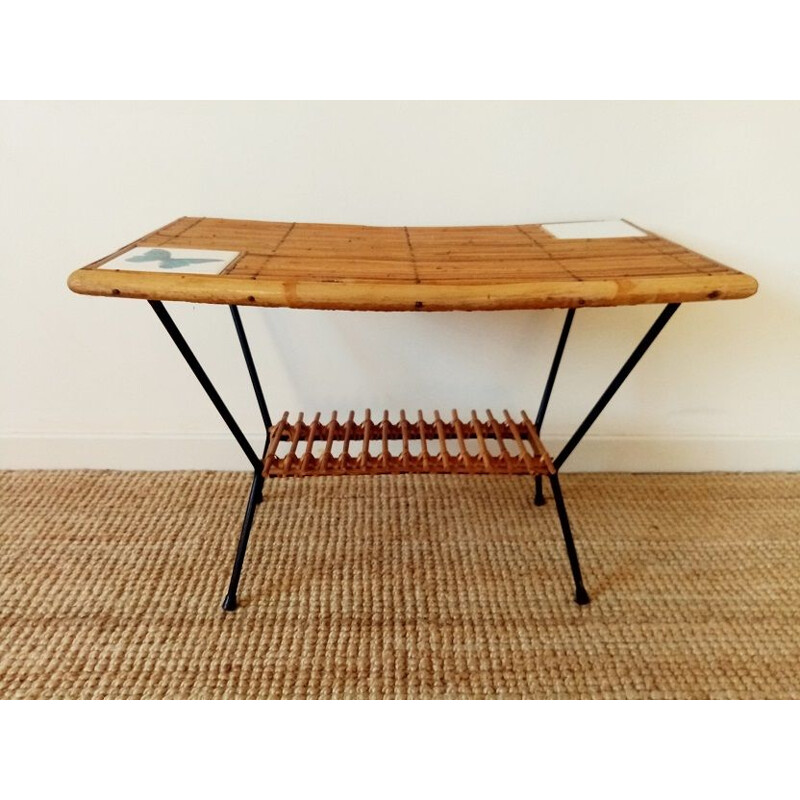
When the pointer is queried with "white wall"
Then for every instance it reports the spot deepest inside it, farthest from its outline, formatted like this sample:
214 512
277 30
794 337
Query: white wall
95 382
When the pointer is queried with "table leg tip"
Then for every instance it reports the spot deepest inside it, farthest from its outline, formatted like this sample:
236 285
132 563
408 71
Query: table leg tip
229 603
538 500
582 597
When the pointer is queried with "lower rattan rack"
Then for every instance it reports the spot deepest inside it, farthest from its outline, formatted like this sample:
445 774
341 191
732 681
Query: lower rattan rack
380 447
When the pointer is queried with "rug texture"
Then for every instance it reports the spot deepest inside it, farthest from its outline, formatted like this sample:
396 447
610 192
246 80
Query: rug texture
398 587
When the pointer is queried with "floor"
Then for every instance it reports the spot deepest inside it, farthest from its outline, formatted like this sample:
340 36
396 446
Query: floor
410 586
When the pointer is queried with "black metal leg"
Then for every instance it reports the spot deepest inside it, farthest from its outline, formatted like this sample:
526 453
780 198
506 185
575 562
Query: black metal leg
199 373
230 603
619 379
538 496
256 489
581 595
251 368
551 378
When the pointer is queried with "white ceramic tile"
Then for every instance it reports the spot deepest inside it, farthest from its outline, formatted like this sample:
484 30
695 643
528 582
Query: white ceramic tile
595 229
173 259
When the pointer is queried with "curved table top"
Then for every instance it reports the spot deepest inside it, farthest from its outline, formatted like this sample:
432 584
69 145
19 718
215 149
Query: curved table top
354 267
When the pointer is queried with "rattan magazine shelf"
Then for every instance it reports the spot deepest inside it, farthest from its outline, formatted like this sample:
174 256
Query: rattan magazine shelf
418 269
507 447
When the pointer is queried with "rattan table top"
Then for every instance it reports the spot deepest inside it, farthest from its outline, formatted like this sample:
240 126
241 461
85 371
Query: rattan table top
354 267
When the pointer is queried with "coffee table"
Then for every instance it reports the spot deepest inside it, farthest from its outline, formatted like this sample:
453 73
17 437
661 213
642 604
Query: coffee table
421 269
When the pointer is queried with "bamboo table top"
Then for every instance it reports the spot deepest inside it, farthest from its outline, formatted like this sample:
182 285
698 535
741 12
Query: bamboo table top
353 267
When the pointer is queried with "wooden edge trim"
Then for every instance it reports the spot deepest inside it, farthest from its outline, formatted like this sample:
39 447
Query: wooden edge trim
364 296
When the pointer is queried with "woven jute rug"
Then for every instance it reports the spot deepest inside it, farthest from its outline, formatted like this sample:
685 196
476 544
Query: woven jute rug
398 587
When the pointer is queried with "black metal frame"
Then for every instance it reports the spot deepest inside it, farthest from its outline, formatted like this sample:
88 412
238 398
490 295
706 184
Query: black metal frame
581 595
257 485
256 488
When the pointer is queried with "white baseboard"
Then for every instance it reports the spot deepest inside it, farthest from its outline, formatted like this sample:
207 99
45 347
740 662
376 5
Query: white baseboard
220 452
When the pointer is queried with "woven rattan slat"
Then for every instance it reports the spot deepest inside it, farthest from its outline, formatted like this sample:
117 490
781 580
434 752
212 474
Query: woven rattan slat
355 267
527 458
